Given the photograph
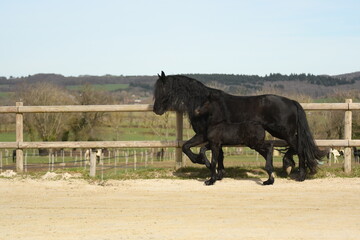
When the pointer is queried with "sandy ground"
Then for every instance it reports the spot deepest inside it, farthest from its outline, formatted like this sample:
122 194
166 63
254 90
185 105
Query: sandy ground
179 209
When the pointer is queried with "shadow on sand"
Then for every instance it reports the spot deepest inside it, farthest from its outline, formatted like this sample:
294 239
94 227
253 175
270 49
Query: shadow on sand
258 175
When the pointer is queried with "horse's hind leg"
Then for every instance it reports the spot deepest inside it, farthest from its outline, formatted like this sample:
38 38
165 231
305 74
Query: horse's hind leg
288 161
302 168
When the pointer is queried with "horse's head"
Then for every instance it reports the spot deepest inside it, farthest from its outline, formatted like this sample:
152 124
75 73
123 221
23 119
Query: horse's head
178 93
161 95
172 93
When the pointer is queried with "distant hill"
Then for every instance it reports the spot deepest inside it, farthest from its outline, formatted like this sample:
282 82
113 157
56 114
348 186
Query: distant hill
354 75
313 85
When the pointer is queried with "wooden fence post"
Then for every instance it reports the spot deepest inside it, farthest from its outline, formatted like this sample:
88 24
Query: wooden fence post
179 137
93 162
347 136
19 139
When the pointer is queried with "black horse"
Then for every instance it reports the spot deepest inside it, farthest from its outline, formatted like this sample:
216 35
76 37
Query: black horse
221 132
281 117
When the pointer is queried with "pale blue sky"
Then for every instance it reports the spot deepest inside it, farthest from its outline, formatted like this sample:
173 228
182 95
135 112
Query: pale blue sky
134 37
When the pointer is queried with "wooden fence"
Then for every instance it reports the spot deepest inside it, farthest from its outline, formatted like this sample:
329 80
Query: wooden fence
19 144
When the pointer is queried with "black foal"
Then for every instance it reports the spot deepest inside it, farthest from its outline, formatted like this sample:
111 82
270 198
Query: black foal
221 132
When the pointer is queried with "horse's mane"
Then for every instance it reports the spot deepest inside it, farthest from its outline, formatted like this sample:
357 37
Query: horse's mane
185 93
223 112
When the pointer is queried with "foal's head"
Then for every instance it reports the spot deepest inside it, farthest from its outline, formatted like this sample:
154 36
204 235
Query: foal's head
215 108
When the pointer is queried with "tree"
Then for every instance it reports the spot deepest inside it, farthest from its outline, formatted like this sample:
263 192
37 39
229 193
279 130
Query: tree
45 126
84 125
341 96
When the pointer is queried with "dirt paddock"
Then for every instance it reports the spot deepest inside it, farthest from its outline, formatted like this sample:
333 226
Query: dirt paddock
179 209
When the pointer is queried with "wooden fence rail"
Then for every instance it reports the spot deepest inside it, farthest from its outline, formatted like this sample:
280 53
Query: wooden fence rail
19 145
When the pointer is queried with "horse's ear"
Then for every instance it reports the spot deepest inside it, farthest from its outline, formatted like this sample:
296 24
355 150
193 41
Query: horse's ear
162 77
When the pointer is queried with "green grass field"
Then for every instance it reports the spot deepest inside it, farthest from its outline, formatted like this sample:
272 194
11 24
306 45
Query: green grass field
5 94
236 167
7 137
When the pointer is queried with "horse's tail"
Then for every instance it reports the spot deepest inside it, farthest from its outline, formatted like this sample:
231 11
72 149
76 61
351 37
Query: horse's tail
306 144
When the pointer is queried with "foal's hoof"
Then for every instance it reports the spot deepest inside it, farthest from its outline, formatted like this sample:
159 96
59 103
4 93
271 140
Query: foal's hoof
269 182
209 182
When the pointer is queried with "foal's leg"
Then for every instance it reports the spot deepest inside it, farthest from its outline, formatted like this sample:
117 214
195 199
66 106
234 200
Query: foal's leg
266 150
220 168
203 155
194 141
215 149
269 165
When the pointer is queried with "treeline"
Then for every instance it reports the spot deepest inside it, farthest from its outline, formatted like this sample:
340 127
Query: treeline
146 82
256 82
253 82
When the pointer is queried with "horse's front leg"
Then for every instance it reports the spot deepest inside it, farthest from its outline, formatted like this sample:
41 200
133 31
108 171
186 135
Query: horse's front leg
194 141
215 149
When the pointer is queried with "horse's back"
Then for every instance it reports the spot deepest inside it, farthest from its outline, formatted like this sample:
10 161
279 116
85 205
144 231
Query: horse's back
277 114
258 105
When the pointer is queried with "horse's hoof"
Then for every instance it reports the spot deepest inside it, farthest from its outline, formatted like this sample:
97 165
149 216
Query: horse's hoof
269 182
209 182
300 178
220 175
